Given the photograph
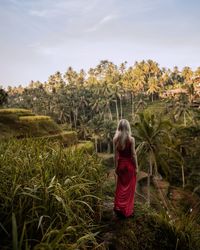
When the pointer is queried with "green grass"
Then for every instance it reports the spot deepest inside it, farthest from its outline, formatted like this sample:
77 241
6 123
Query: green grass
50 198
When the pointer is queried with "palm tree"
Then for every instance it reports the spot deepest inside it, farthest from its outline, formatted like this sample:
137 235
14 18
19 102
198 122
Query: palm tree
180 148
83 128
140 105
117 93
3 96
108 133
152 137
183 110
128 83
96 125
190 91
187 74
153 87
176 76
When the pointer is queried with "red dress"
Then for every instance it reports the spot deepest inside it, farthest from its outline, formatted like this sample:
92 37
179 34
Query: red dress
126 182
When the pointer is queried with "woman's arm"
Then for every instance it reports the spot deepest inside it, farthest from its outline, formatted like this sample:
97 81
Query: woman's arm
134 154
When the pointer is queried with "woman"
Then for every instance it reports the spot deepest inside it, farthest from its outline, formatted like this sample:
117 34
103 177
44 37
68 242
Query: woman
126 168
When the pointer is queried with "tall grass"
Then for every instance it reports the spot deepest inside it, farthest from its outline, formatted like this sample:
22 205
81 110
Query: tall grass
49 197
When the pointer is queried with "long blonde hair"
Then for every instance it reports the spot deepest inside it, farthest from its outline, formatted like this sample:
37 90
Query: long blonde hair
122 133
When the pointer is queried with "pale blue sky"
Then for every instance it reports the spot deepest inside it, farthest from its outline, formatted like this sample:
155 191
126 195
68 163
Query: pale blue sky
39 37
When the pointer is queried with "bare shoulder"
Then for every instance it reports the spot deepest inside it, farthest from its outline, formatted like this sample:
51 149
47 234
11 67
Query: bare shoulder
132 140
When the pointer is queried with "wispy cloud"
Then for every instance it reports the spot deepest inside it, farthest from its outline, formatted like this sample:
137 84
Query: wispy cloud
62 7
101 22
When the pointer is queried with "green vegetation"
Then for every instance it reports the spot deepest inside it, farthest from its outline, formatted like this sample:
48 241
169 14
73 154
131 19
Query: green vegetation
50 198
21 123
3 96
150 230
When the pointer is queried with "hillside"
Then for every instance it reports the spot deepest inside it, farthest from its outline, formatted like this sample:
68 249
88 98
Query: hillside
21 123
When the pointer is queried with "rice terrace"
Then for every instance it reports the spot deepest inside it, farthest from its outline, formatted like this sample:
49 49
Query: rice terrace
59 163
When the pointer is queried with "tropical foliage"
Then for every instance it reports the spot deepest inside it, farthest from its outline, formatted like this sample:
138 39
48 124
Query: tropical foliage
51 197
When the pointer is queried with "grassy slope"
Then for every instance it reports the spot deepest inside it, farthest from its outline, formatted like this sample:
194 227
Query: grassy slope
20 123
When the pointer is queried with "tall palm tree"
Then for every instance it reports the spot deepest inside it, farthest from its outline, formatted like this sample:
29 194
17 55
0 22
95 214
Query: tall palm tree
183 110
187 74
152 136
140 105
153 87
108 133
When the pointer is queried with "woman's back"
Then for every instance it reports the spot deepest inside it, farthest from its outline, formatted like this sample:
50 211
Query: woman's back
127 151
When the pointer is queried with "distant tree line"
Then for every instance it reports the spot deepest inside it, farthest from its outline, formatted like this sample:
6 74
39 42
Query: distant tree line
98 98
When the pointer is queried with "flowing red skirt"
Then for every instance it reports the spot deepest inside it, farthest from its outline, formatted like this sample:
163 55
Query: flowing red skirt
125 189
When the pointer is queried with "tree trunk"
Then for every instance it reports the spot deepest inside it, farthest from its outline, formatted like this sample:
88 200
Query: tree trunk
95 142
183 175
132 106
184 117
70 119
61 116
108 147
117 111
148 188
121 114
151 167
100 146
150 170
74 116
110 113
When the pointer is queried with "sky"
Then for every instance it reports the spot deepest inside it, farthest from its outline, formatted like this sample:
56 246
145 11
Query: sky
40 37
